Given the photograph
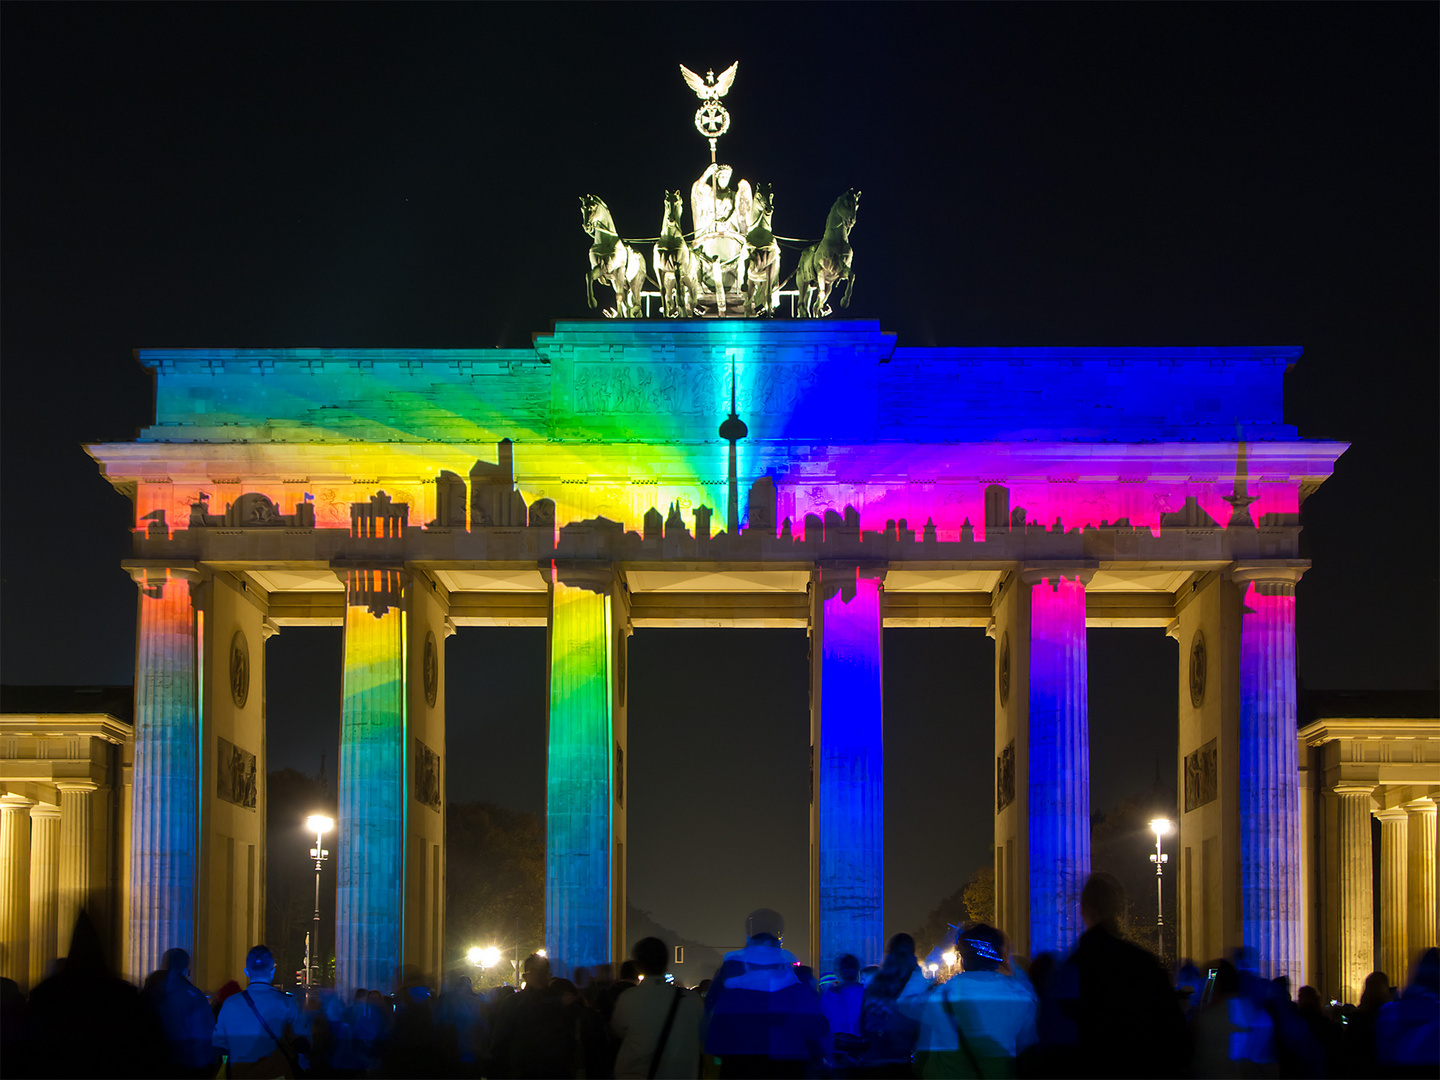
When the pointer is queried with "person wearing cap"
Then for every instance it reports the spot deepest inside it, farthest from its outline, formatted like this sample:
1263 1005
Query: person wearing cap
979 1021
768 1023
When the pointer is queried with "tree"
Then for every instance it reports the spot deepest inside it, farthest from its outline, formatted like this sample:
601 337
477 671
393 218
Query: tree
971 903
494 880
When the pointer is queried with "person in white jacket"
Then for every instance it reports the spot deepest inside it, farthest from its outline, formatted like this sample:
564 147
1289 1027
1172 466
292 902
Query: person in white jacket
979 1021
640 1021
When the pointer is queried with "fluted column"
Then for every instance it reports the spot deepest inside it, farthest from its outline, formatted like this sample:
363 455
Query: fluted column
15 888
75 856
164 831
44 889
1059 784
580 767
1394 893
1268 772
1421 876
1355 945
849 764
370 887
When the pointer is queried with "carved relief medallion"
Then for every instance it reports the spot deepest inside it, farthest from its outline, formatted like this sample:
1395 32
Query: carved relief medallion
1004 679
239 669
1197 669
431 669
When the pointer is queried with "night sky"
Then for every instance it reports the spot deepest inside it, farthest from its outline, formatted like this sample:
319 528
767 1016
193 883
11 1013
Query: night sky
407 175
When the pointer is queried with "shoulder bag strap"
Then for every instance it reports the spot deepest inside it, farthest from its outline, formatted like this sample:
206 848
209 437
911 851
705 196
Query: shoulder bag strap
960 1031
665 1033
278 1044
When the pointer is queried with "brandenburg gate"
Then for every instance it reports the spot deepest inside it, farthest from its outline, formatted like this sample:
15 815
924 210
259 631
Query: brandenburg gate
694 472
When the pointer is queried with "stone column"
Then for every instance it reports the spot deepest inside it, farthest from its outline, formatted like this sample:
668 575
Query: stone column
1059 780
370 871
75 856
1355 945
164 836
44 889
1268 770
849 782
15 888
580 770
1394 893
1421 876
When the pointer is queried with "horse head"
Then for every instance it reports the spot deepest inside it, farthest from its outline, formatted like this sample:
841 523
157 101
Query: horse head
842 214
762 203
594 214
674 209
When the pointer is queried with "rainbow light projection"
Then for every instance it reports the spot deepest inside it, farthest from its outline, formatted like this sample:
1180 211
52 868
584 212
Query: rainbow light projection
166 795
851 774
370 891
580 765
1269 780
1059 761
601 443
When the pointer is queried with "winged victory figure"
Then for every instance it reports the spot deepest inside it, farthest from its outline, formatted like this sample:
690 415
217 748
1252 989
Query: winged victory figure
710 88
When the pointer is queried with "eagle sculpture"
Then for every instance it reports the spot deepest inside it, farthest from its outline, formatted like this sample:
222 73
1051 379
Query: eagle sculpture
710 88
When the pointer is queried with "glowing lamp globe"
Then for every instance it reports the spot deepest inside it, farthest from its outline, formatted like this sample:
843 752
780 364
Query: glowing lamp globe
1161 826
319 824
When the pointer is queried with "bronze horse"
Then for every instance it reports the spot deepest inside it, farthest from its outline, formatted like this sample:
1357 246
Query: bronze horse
826 263
675 263
762 256
612 261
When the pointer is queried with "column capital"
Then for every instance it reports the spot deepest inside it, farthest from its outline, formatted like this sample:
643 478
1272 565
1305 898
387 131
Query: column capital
77 786
1033 574
44 810
1275 576
14 802
1346 787
1425 805
591 575
1392 814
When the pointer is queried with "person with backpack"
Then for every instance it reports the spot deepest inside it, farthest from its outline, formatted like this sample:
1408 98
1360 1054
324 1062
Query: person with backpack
255 1028
657 1023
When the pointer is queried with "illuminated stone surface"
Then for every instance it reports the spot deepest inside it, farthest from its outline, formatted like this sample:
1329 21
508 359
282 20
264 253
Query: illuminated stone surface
1356 923
44 889
950 470
164 825
370 894
1394 892
848 795
15 887
1420 875
579 801
1059 766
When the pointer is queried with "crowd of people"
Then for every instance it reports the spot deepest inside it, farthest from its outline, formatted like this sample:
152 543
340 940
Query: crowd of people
1107 1008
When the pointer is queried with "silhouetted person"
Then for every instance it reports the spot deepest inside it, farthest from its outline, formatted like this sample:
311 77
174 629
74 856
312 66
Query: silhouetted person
841 1003
978 1022
1324 1031
534 1031
657 1023
1360 1030
415 1047
256 1027
84 1021
888 1033
1407 1032
461 1009
1234 1035
1127 1020
767 1023
184 1015
761 925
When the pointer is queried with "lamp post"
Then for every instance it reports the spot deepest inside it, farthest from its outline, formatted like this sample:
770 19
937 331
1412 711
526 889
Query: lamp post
1161 827
319 824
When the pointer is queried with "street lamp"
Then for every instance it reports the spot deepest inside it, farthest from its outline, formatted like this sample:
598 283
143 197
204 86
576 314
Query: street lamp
950 956
1161 827
319 824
